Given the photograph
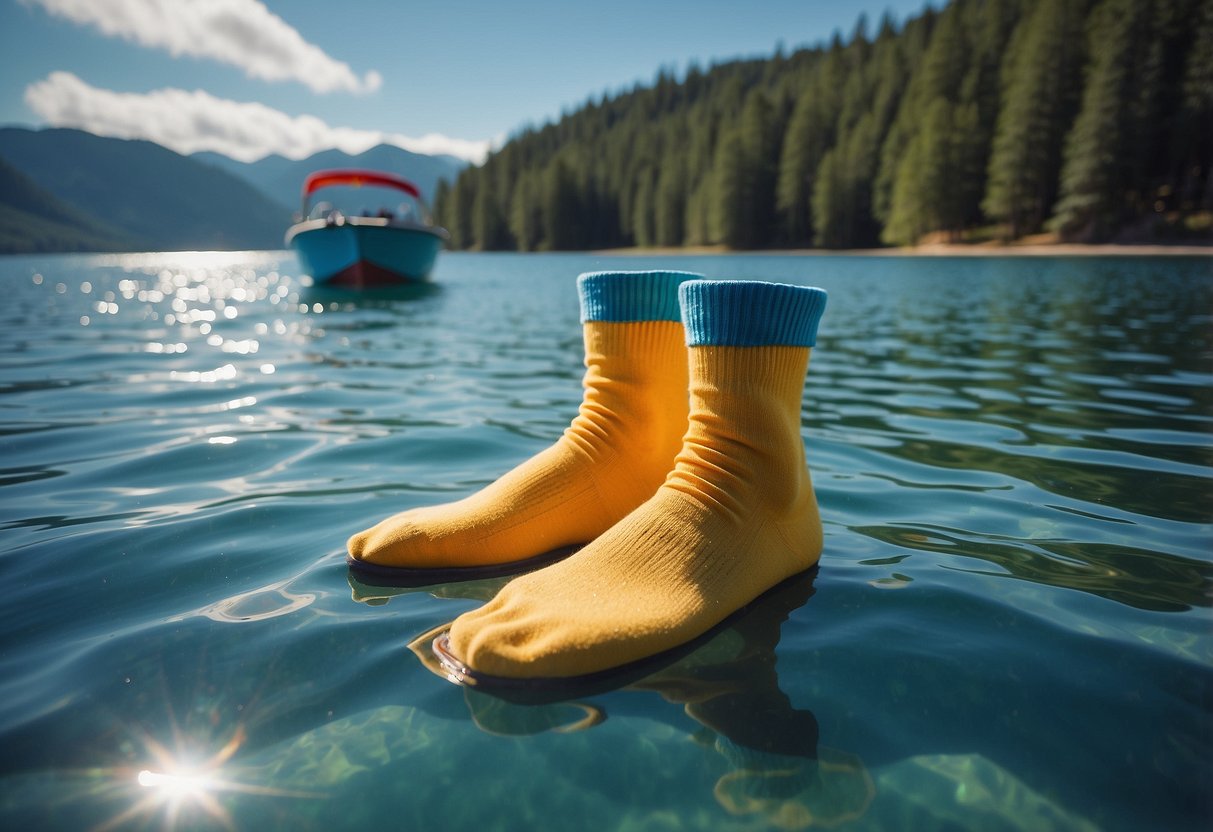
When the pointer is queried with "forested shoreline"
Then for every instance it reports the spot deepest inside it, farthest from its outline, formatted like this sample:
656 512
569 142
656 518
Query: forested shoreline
986 119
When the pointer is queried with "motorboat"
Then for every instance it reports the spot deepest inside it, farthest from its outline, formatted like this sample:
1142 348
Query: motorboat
365 248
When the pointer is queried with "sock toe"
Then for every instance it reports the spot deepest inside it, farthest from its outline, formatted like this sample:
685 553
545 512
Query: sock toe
492 642
387 541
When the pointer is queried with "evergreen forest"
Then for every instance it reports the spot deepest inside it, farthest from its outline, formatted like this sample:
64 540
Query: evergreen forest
986 119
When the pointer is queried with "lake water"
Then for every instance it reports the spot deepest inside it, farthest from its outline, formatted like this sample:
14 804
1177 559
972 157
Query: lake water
1010 628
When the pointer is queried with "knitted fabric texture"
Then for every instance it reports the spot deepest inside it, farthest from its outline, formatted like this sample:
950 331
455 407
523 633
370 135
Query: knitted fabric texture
611 458
736 515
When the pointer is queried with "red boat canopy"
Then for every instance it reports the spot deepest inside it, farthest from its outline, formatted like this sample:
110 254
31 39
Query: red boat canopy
356 178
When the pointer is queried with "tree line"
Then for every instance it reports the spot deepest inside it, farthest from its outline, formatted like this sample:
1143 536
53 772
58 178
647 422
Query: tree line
1091 118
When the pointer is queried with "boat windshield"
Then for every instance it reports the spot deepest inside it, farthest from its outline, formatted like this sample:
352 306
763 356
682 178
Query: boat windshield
371 201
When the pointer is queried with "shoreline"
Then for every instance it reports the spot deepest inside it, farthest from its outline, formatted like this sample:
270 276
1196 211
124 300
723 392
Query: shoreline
934 250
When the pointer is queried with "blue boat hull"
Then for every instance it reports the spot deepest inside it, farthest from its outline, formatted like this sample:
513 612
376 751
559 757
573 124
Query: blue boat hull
360 253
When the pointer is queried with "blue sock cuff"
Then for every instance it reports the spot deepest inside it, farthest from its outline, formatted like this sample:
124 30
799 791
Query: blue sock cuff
631 296
750 313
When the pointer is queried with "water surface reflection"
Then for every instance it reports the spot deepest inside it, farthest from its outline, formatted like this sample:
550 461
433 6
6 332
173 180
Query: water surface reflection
727 682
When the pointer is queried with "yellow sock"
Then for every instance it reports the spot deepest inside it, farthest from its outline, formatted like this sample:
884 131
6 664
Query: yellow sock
610 459
736 516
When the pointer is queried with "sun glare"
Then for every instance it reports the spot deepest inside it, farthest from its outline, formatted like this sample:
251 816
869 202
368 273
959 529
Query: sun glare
181 792
175 785
175 792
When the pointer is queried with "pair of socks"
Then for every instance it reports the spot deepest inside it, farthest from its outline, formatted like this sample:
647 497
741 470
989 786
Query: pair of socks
683 472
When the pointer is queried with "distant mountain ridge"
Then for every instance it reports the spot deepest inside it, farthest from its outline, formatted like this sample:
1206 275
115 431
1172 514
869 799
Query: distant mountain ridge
280 178
32 219
69 190
158 199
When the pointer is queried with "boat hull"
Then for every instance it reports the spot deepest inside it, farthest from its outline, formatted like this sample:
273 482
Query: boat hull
353 254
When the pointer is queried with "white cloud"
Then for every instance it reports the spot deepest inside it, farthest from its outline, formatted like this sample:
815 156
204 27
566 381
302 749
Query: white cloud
188 121
243 33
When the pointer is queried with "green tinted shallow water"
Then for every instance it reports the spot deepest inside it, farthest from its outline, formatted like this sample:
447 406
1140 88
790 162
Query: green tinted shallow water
1010 628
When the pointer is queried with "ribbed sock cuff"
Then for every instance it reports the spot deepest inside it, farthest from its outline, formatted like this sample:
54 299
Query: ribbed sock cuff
749 313
631 296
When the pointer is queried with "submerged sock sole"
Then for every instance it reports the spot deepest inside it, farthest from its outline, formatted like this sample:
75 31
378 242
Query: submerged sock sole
402 576
542 689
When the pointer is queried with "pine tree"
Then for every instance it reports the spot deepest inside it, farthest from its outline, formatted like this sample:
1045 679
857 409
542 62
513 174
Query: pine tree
525 218
912 44
917 179
560 209
462 197
759 146
643 213
442 203
1194 146
727 214
1093 178
810 134
888 76
802 152
488 225
990 24
1042 75
933 157
932 190
1154 102
697 219
842 198
670 202
828 199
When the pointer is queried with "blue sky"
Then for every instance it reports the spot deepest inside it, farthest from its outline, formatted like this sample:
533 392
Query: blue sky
250 77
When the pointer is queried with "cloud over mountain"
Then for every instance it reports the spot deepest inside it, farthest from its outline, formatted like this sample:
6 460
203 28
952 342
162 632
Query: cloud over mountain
242 33
189 121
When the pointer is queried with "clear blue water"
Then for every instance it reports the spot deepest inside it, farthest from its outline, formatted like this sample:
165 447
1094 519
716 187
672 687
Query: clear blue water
1010 627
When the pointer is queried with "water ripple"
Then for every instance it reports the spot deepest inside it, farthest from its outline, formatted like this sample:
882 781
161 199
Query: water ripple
1014 459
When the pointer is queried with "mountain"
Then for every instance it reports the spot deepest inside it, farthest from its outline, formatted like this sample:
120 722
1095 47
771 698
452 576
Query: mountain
280 179
32 220
157 199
